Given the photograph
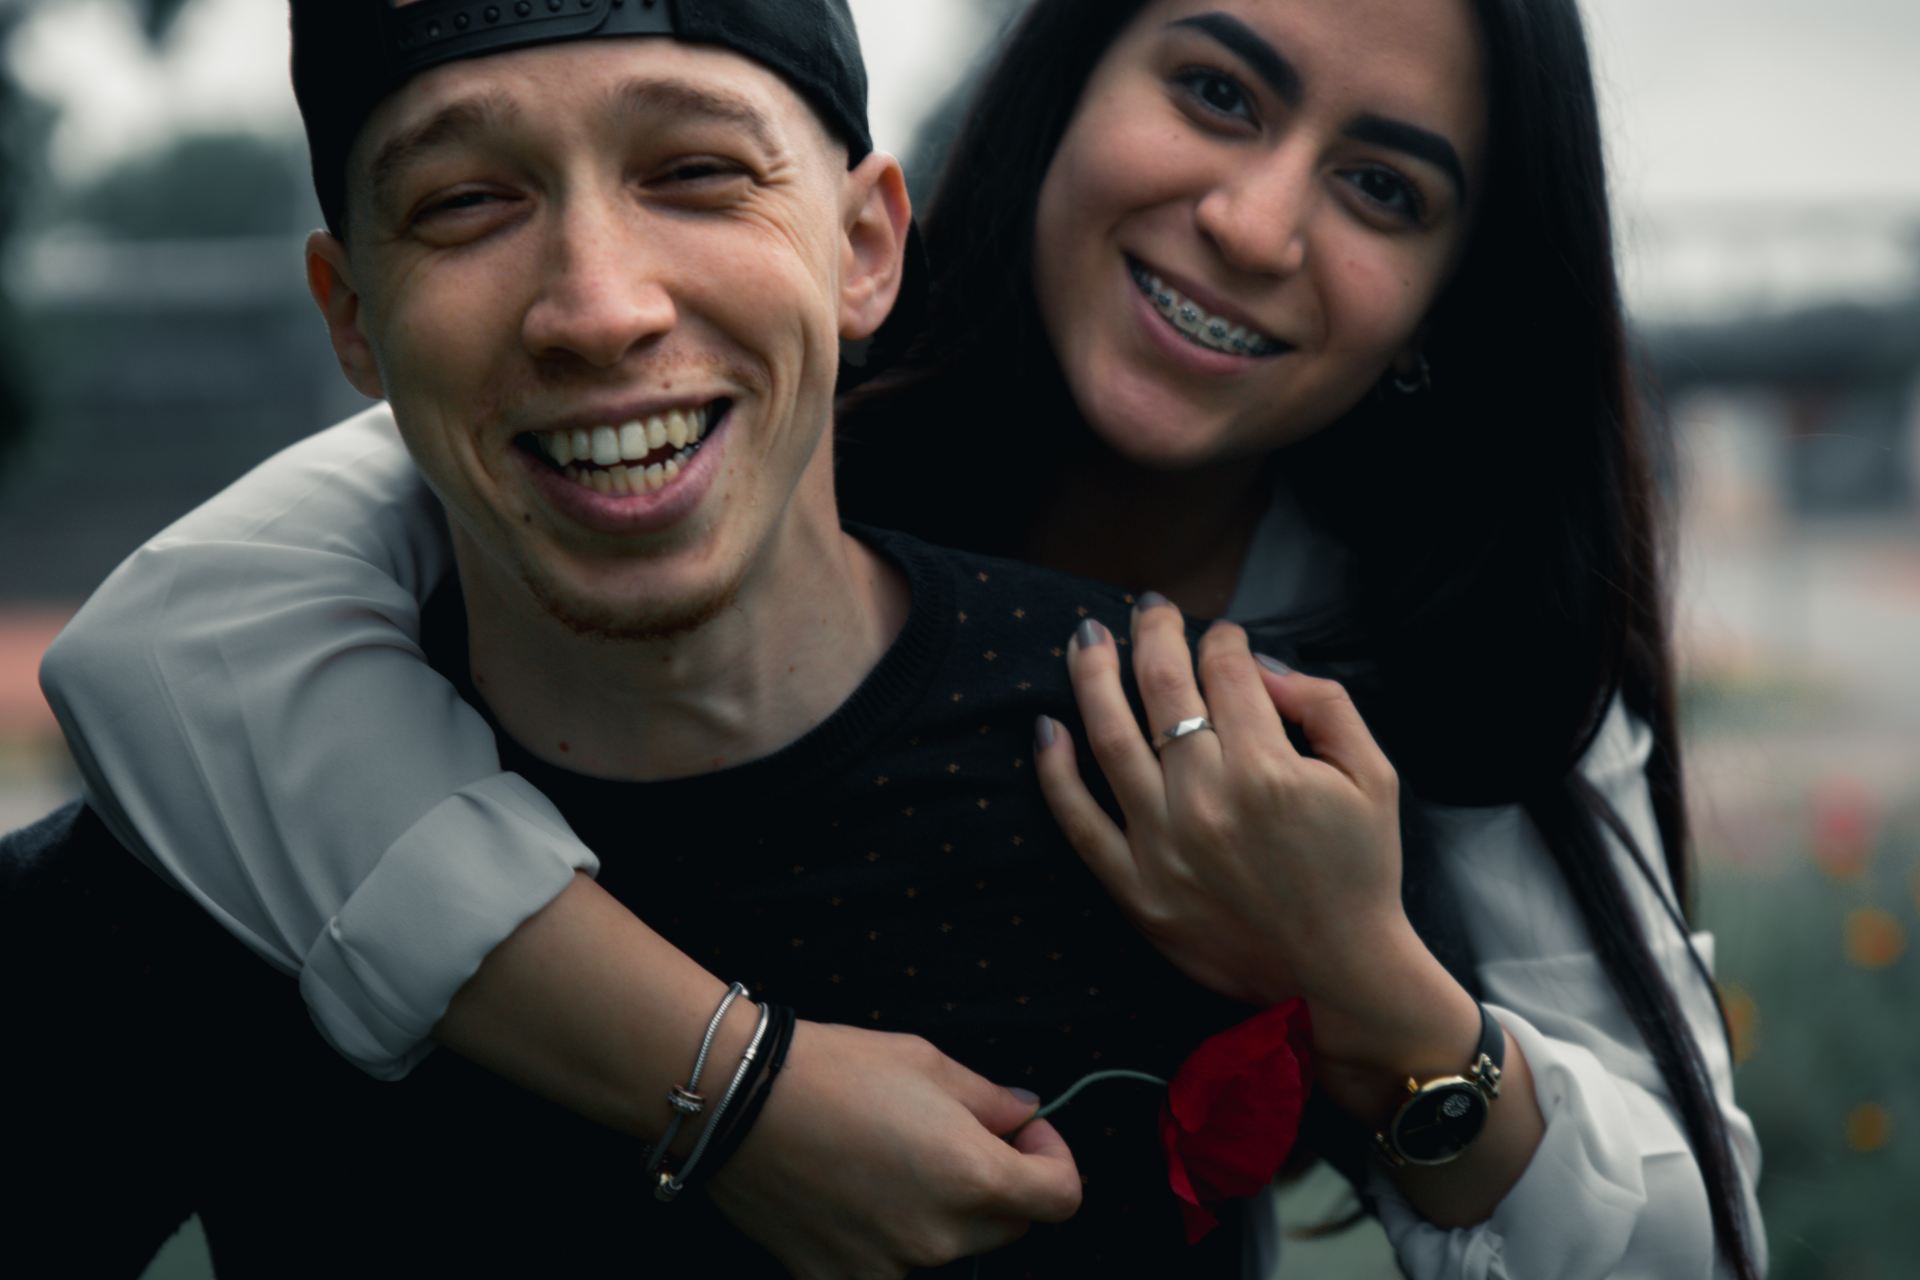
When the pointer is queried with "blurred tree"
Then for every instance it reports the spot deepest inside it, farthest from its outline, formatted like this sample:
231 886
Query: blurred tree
208 184
936 133
23 137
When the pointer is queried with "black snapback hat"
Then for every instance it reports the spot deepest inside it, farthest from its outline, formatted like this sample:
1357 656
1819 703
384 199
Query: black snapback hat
348 55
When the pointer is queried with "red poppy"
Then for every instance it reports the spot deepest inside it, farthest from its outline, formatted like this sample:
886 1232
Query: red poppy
1233 1111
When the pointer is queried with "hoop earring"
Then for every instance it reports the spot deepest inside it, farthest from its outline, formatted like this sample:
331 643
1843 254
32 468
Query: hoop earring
1420 382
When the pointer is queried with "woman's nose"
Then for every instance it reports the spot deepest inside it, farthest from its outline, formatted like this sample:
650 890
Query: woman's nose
603 291
1258 216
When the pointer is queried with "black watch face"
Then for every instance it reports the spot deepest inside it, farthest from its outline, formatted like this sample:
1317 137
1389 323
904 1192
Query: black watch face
1440 1123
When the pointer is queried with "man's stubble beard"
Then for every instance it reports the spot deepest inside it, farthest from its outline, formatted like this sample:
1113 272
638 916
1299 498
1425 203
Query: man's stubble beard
618 621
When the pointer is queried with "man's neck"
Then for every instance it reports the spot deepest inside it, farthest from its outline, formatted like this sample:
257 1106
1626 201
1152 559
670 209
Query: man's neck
813 616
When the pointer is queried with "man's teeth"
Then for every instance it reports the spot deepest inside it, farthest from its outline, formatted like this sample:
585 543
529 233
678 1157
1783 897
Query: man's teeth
599 457
1198 325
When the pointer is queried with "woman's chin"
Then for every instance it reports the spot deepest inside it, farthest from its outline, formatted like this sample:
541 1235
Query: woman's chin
1164 440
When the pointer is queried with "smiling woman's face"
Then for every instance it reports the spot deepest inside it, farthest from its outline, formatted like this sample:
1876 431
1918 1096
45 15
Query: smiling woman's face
1254 207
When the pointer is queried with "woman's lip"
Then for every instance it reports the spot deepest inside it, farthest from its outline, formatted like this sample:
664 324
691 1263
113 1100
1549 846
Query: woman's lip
631 514
1176 347
1201 296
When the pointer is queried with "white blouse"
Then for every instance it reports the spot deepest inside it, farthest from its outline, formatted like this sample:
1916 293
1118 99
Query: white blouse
252 714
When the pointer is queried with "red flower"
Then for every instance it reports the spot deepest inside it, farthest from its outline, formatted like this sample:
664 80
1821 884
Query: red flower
1233 1111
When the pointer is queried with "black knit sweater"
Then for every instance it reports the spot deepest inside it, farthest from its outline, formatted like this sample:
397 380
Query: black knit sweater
896 868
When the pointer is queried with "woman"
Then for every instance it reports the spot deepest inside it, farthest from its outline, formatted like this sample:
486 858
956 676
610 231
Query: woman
1308 309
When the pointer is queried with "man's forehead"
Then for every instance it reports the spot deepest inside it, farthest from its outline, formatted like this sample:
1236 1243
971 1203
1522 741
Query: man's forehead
591 81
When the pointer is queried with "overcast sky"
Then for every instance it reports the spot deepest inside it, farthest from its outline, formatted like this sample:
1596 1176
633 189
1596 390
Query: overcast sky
1740 105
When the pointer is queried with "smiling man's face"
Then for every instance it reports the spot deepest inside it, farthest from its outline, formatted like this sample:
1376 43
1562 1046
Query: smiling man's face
603 285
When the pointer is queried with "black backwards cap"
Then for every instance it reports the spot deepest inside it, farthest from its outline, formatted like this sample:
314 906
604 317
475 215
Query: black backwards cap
348 55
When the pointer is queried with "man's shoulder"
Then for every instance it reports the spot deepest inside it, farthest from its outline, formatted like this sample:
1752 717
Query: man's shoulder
995 593
50 846
85 913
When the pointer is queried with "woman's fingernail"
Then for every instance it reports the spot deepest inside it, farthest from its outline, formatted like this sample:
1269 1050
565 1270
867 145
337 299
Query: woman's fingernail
1044 732
1027 1097
1151 600
1274 665
1090 634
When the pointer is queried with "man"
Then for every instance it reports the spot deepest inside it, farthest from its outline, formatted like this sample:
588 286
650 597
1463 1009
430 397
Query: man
552 230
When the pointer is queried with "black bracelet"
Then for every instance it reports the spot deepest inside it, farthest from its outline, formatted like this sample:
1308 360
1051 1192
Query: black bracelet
735 1126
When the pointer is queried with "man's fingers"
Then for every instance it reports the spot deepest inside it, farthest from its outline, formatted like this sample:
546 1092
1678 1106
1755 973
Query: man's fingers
1332 724
1094 836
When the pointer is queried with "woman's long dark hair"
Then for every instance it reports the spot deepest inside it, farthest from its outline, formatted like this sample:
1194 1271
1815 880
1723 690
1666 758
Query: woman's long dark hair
1506 529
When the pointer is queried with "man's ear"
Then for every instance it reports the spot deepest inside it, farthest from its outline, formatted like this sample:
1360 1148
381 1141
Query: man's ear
331 284
878 213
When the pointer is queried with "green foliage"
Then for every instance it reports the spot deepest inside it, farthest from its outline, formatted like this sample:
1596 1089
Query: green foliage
1823 946
157 16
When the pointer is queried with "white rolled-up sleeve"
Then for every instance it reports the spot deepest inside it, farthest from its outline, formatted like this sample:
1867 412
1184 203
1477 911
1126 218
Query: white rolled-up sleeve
1613 1190
251 713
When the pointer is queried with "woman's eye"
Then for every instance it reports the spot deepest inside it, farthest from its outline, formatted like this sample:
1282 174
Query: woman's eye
1218 92
1390 191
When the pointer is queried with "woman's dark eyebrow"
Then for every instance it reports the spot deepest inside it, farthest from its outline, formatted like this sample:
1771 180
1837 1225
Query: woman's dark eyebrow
1422 144
1280 75
1267 62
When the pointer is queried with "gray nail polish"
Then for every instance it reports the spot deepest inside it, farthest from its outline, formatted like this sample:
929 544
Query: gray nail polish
1026 1096
1091 634
1274 665
1151 600
1044 732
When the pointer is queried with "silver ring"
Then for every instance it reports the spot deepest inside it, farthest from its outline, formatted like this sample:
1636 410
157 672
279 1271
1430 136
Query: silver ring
1185 729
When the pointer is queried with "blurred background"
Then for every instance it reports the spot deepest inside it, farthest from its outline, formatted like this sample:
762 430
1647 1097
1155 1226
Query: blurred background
156 341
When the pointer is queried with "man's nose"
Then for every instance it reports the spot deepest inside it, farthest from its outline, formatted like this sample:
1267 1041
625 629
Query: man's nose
1258 216
602 292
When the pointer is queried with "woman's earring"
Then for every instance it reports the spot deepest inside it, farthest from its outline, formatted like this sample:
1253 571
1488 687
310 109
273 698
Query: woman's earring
1421 380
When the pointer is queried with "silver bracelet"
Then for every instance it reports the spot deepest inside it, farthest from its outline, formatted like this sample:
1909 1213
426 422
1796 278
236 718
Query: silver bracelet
668 1185
682 1098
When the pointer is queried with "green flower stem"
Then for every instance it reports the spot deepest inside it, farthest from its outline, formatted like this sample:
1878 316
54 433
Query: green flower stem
1072 1092
1096 1078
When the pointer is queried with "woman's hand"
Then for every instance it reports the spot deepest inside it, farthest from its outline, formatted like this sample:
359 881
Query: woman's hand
877 1154
1261 872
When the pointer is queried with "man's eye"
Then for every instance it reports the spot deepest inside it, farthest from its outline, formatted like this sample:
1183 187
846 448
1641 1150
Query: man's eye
703 170
1217 92
458 202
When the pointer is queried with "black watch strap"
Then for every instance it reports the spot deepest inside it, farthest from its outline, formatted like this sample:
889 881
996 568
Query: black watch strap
1493 1042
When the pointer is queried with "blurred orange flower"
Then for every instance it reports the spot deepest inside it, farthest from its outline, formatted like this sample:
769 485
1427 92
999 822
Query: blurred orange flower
1874 938
1869 1127
1743 1020
1846 820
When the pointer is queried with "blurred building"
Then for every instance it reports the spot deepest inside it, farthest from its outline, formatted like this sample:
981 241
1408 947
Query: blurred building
1786 346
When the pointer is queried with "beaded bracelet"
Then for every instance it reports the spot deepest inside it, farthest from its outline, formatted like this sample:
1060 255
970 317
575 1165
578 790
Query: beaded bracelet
682 1098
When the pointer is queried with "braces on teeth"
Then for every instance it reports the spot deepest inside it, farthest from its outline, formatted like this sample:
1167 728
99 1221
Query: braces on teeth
1197 325
597 458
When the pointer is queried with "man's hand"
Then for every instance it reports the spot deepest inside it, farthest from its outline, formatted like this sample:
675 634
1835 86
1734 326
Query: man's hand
878 1154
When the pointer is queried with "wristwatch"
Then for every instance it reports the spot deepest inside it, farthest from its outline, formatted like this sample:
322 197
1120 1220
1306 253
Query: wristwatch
1441 1117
